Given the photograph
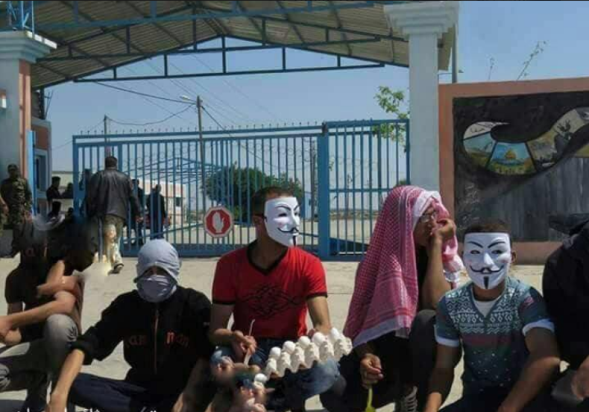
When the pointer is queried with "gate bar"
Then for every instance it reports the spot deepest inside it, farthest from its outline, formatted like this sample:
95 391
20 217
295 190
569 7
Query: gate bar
323 192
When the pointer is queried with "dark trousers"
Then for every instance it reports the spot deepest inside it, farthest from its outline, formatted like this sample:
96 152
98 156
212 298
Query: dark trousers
491 399
110 395
405 362
562 386
157 229
137 228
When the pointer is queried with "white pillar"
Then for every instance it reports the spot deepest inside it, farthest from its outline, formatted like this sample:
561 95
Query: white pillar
18 50
424 23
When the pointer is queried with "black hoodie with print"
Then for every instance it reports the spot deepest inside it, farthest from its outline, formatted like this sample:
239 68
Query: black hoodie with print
162 342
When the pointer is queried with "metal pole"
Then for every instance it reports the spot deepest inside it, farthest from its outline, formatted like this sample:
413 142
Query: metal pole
313 164
455 56
202 153
324 194
106 148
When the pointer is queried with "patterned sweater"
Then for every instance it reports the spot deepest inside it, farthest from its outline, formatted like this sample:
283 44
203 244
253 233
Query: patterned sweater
494 346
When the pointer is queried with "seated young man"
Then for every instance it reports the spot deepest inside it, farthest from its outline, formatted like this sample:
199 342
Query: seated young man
44 310
406 271
510 352
268 287
566 290
164 330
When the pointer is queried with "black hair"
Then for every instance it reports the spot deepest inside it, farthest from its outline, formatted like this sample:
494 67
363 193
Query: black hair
491 226
260 198
110 161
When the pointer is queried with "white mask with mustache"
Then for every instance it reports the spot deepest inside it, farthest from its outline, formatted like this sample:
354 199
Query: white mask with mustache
487 257
283 220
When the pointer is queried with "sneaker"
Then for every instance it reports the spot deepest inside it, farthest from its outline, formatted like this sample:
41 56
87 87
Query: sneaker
408 403
117 269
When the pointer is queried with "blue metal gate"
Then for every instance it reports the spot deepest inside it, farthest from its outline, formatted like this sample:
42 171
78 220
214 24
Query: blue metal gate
340 171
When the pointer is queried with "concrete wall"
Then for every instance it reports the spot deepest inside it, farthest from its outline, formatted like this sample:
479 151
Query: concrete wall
16 116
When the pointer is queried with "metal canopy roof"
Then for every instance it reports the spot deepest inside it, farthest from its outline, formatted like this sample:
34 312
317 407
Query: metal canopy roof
95 36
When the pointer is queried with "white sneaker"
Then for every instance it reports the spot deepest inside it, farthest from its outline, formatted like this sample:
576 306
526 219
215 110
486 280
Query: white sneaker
408 403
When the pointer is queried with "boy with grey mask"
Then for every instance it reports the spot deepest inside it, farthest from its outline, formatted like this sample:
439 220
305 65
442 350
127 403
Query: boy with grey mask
164 329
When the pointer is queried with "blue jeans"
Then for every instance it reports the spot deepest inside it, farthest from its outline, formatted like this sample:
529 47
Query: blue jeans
296 387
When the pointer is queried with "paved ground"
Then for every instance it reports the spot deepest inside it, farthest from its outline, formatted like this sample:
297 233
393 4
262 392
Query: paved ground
198 274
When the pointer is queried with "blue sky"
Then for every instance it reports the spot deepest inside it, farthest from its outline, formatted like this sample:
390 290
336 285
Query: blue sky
506 32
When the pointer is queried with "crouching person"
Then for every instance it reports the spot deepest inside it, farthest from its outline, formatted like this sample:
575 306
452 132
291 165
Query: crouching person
163 327
269 287
44 307
510 352
566 290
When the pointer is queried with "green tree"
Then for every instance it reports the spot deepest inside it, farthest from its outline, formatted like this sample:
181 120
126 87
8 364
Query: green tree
394 103
233 187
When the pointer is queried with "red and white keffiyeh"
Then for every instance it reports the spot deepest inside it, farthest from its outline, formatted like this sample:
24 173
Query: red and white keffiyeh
386 292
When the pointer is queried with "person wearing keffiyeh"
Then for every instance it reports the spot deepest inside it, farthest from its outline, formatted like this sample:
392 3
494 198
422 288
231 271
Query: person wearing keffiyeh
411 262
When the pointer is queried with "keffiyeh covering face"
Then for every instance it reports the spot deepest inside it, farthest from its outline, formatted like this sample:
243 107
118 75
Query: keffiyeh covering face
386 292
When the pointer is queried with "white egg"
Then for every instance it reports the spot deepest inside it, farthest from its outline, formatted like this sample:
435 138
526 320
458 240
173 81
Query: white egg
260 377
334 335
318 338
289 347
304 342
275 353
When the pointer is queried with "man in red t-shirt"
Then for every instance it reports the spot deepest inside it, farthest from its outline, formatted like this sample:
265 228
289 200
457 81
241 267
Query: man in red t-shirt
269 287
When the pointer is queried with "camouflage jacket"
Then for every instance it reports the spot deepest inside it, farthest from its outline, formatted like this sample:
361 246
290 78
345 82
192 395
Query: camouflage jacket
19 198
2 217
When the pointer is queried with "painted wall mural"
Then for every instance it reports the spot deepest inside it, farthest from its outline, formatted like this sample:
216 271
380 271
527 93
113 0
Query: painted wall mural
523 159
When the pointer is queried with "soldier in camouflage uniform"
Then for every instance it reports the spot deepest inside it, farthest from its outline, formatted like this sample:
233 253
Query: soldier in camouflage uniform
17 194
3 213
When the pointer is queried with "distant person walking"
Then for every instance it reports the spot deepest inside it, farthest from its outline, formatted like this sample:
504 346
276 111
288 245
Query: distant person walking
156 206
109 194
82 185
53 192
69 192
138 226
85 180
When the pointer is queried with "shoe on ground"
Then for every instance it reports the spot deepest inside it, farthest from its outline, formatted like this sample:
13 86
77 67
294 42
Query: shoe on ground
117 269
408 403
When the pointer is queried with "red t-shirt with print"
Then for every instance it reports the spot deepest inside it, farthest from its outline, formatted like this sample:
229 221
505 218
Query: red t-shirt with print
276 299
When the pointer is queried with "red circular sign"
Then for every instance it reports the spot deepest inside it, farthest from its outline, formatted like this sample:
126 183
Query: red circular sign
218 222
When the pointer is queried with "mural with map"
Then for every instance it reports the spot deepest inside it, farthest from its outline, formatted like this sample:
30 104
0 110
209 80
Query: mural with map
522 159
